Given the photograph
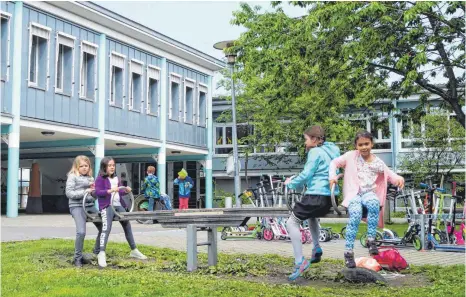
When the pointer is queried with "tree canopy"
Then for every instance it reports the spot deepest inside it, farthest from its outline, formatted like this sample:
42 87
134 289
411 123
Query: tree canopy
295 72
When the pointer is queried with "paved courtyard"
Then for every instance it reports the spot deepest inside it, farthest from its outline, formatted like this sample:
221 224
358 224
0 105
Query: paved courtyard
30 227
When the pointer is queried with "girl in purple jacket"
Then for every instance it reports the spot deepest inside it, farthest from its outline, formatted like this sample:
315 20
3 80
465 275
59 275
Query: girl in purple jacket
106 185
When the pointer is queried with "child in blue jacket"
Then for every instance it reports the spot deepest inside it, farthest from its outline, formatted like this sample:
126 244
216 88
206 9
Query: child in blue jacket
151 187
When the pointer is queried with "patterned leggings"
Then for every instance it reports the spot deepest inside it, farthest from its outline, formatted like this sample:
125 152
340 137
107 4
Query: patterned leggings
371 202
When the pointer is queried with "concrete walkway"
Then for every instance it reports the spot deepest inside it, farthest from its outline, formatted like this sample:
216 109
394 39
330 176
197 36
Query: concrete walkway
30 227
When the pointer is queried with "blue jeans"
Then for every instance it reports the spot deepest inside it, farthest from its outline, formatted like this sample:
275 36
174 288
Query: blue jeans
166 199
151 204
79 217
371 202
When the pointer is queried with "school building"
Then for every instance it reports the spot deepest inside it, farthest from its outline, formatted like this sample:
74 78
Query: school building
78 79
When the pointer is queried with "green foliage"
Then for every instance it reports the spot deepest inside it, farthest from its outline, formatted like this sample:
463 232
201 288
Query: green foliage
437 148
296 72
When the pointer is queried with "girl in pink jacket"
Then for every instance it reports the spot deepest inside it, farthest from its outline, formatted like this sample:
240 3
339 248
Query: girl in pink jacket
365 185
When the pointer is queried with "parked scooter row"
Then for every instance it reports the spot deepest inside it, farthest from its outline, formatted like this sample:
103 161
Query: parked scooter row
432 209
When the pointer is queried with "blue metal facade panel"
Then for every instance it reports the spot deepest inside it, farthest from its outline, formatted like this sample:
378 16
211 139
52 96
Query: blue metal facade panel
120 119
5 85
46 104
178 131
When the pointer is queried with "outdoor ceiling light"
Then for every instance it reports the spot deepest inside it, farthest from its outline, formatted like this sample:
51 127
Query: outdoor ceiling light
176 152
47 133
120 144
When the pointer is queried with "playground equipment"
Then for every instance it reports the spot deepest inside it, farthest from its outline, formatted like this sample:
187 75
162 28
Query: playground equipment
94 215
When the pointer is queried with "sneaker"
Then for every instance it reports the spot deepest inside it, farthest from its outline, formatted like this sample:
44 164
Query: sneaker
101 259
316 255
299 269
349 259
78 263
137 254
373 250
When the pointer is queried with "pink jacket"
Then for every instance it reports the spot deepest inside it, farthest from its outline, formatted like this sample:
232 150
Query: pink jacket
351 180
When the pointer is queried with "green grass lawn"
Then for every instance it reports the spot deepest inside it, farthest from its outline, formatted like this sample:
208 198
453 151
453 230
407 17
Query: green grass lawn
43 268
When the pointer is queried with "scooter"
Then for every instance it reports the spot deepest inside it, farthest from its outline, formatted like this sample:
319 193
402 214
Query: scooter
431 241
241 233
412 233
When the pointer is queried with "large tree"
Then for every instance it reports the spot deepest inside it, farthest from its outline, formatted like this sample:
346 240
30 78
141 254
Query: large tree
346 55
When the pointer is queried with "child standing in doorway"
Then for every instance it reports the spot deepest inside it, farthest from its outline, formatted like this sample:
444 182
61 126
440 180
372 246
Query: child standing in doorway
185 184
365 185
151 187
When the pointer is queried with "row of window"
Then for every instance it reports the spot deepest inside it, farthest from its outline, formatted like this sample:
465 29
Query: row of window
380 129
223 136
188 106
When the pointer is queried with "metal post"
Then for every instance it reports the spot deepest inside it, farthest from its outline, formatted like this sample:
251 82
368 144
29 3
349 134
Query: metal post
212 248
235 140
191 232
423 231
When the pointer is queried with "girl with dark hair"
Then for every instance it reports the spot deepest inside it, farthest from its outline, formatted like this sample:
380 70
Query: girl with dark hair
106 185
365 185
316 201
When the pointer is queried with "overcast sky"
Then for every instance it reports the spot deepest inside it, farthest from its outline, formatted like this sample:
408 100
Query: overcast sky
198 24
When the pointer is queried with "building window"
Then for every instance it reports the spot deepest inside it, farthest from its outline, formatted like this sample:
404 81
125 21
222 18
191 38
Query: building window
224 138
419 134
39 38
380 129
117 79
202 106
64 74
135 85
378 126
88 73
189 101
175 97
153 83
5 45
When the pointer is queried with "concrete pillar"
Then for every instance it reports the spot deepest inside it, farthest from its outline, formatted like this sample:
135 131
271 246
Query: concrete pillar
210 144
13 137
101 99
34 204
162 157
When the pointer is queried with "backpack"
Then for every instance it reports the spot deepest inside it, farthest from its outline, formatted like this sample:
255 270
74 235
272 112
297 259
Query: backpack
390 259
368 263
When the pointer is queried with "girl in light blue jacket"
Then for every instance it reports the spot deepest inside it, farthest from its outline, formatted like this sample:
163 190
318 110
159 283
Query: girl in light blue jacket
316 201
